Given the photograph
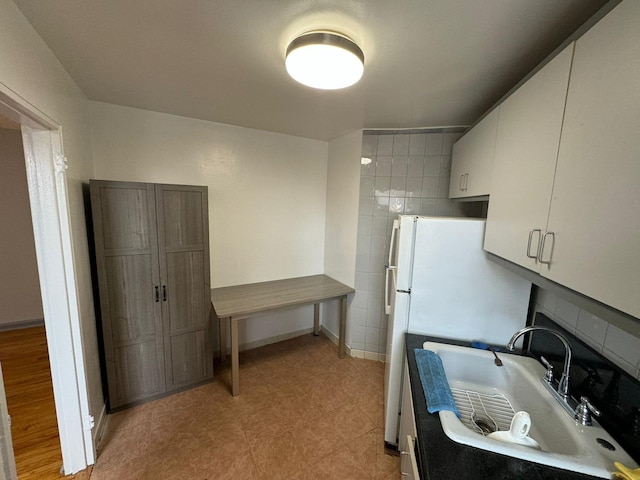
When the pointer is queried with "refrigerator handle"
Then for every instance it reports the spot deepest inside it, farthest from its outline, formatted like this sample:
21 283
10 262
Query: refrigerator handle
387 297
392 244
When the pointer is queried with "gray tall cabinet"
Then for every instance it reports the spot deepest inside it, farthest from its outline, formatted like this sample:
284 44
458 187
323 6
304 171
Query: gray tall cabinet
152 258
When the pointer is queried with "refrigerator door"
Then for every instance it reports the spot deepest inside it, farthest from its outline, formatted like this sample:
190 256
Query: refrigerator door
397 305
456 291
396 329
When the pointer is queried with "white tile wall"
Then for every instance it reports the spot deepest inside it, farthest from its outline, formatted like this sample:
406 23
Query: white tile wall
408 174
619 346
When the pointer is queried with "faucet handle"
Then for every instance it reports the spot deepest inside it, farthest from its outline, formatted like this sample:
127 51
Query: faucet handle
584 410
549 375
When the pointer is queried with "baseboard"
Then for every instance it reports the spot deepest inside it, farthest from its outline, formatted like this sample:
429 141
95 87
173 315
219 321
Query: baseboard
267 341
378 357
331 336
99 428
352 352
36 322
375 356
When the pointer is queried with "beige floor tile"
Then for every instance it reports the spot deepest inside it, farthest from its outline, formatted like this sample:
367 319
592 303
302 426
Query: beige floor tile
280 458
262 425
302 414
315 440
133 470
340 465
238 466
386 465
394 476
363 450
352 422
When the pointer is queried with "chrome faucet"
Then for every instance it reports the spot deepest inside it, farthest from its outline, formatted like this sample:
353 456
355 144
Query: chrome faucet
563 386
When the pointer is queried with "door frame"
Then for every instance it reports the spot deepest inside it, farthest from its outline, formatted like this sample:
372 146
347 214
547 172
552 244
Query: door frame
46 168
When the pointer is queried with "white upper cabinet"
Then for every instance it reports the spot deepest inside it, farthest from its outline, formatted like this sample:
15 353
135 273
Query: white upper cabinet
472 159
595 209
565 194
527 142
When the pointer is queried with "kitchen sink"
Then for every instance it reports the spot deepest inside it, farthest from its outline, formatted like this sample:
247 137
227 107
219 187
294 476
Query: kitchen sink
488 396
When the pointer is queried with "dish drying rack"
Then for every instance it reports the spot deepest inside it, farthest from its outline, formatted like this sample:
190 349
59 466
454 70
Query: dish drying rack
480 411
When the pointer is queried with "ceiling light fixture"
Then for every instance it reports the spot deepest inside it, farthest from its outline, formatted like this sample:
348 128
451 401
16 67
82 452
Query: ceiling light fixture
324 60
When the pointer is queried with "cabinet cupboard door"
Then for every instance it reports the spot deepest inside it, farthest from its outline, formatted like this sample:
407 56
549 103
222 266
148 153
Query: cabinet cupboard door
407 428
595 211
472 159
407 432
183 239
529 126
127 263
408 462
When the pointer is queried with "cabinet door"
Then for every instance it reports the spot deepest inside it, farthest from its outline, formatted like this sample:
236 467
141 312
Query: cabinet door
529 127
408 432
596 198
472 159
128 276
407 415
408 463
183 238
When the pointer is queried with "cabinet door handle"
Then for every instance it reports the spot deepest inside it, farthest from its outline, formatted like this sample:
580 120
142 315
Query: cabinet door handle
157 293
461 183
530 241
164 293
466 181
541 251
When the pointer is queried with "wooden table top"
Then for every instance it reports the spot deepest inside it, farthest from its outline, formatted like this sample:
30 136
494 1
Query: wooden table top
253 298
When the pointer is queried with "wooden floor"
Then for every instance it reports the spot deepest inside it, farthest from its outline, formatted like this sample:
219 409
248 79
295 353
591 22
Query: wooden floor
27 376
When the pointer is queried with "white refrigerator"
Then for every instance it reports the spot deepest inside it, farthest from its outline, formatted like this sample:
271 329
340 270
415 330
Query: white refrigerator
439 282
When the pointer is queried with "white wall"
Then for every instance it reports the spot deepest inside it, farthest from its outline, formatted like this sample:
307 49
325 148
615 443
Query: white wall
19 284
267 194
30 70
343 185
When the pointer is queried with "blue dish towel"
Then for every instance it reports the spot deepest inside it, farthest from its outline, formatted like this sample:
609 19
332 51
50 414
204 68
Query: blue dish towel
434 382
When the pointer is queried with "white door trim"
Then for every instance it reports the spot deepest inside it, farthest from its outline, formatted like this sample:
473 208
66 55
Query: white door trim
7 460
46 178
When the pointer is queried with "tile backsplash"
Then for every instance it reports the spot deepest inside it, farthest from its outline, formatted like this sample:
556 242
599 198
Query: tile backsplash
619 346
401 173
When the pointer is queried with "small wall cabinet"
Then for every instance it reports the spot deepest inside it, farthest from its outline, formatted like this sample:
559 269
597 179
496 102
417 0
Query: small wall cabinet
472 159
152 259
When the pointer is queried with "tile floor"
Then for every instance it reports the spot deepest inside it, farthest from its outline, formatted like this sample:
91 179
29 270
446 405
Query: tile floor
302 414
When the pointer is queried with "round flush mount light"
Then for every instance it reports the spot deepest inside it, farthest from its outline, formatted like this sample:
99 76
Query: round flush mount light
324 60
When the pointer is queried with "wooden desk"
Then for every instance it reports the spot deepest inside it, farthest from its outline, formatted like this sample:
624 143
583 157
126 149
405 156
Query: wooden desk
243 301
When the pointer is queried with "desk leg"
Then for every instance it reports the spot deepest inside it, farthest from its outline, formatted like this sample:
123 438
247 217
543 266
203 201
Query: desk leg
316 319
235 360
343 327
223 337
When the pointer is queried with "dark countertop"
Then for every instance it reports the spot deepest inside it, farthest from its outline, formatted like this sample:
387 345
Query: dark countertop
443 459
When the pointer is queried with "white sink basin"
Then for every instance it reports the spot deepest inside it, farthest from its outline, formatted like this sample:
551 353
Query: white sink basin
478 385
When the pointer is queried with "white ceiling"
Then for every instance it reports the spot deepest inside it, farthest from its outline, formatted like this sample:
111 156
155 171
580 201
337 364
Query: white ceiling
428 62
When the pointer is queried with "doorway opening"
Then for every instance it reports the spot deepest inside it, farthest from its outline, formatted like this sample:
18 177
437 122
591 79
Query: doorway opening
24 354
47 190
